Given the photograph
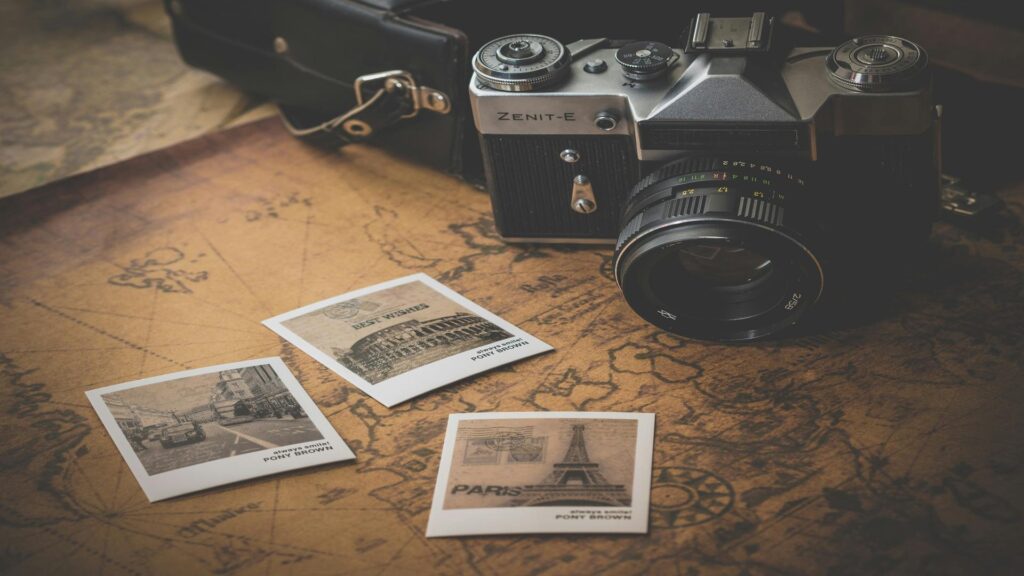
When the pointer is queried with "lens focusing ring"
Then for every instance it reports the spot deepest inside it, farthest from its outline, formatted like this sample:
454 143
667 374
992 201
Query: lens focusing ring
657 195
736 205
521 63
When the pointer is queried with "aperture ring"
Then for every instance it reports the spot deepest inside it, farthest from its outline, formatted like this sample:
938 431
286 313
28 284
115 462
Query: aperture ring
761 211
693 176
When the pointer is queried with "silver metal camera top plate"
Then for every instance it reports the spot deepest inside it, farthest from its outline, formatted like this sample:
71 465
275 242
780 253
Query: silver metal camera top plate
572 106
702 89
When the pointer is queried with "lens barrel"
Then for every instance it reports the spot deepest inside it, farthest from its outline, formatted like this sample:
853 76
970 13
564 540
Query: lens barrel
719 249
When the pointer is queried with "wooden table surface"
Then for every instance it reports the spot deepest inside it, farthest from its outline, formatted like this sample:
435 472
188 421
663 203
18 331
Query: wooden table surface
891 447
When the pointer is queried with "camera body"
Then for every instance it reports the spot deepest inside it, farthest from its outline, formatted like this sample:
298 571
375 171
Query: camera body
833 151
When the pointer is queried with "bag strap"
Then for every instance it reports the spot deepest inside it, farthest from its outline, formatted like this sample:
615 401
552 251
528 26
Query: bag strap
382 99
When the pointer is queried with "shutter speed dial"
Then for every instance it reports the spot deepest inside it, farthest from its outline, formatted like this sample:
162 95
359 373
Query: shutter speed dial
877 64
521 63
645 60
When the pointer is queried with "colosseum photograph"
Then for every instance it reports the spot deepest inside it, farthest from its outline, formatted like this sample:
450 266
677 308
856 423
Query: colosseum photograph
394 330
413 343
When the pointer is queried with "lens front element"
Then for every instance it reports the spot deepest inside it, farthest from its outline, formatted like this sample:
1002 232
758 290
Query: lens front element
718 249
720 265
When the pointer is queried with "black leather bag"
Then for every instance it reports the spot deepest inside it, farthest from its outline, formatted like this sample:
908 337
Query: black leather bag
394 71
311 56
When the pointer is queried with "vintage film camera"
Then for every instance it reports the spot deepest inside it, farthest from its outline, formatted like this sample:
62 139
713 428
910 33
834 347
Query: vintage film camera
744 179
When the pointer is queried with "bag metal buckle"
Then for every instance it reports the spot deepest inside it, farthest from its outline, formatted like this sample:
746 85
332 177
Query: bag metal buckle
385 85
390 82
421 97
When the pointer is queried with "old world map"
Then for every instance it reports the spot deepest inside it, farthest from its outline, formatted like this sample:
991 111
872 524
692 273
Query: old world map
892 444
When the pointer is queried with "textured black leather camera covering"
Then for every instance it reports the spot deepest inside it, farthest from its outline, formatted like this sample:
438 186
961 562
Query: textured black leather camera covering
330 43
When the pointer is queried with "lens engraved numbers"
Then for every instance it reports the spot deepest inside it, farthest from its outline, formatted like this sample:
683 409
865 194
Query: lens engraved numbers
766 168
794 301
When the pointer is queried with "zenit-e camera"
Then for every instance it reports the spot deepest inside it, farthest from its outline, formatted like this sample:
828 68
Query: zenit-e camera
741 179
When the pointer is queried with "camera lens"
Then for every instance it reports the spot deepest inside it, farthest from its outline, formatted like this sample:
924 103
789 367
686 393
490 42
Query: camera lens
718 249
720 281
721 265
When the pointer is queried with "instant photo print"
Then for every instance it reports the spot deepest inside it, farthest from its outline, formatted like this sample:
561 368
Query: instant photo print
197 429
403 338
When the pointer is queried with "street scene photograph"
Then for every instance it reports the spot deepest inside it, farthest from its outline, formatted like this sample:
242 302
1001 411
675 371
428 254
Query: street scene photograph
188 421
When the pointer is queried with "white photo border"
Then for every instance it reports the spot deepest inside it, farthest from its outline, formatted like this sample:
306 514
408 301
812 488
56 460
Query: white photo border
224 470
542 519
407 385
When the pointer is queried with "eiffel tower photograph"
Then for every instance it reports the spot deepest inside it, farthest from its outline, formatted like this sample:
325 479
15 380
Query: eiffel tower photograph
575 481
543 462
